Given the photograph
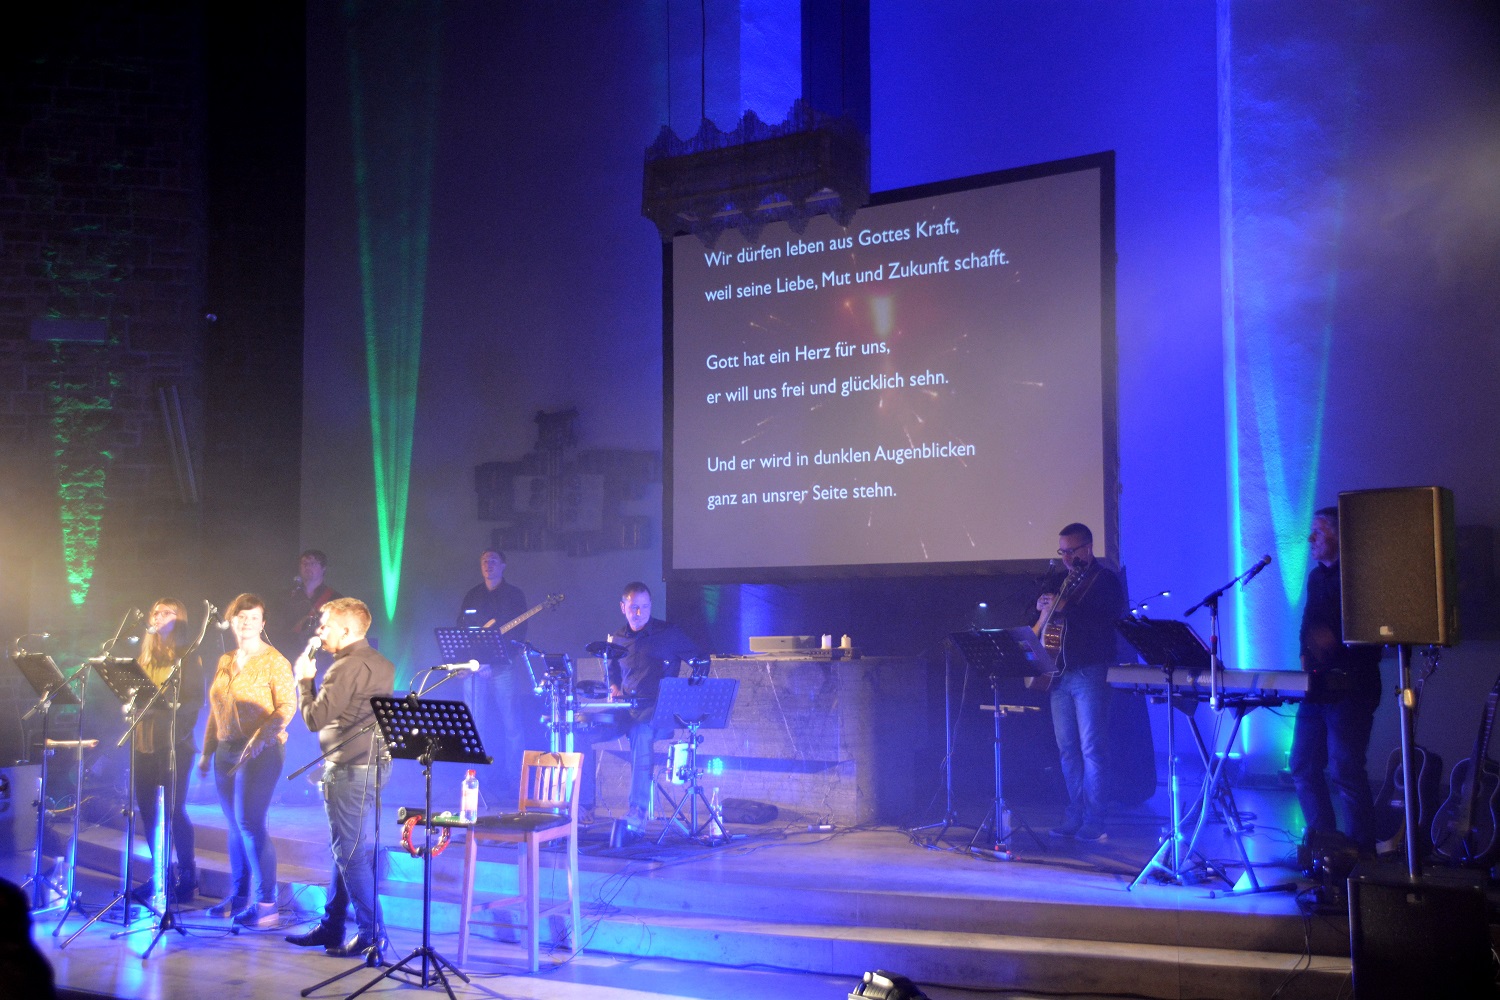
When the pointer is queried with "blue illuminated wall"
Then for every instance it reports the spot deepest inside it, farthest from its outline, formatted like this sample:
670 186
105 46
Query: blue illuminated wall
1306 276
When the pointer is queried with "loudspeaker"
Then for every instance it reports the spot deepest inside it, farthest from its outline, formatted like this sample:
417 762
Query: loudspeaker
1413 940
1397 567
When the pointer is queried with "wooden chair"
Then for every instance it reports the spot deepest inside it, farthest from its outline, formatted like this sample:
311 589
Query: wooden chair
548 811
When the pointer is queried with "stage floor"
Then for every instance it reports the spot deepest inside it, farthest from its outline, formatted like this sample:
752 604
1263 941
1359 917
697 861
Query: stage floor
782 912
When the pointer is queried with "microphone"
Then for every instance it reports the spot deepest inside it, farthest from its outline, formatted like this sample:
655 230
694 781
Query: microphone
313 645
1264 562
469 667
152 630
222 625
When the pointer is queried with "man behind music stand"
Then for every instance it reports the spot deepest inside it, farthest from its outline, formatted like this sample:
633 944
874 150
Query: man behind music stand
427 731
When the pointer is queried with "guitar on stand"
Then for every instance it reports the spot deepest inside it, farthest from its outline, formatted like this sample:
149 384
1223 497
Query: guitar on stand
1464 829
1052 631
1389 819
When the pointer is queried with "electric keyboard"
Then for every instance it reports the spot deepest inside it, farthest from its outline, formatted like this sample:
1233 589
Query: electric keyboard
1285 685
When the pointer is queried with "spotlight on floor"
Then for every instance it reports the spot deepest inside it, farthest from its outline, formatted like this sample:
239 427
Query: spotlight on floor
882 985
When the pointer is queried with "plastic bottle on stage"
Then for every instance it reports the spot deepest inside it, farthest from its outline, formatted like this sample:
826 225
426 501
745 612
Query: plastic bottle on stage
468 803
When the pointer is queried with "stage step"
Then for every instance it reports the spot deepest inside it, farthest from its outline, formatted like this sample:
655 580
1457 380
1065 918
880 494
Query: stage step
988 926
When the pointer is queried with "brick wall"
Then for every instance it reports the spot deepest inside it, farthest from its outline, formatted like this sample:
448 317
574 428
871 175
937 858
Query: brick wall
102 208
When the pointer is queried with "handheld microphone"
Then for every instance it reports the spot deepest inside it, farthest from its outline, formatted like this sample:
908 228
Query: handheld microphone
1264 562
313 645
469 667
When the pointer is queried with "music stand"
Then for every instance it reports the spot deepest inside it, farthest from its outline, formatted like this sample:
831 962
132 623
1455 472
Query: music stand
426 731
693 704
125 680
1001 653
52 688
1163 643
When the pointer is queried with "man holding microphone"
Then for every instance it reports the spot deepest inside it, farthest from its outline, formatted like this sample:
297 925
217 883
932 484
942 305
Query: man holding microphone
351 774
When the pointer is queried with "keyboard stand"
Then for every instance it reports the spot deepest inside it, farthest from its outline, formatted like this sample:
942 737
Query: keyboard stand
1216 790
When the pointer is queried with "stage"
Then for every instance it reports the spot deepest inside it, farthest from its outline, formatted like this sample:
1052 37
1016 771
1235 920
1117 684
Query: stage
778 911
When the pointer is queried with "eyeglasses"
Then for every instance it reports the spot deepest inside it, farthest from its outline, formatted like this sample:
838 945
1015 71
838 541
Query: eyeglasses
1076 548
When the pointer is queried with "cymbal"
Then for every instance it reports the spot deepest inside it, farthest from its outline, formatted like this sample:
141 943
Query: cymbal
606 649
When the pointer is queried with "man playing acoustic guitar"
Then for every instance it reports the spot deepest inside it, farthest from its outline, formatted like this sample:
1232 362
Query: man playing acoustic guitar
1334 732
1086 604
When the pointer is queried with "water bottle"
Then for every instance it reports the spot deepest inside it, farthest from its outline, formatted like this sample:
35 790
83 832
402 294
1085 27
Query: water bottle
716 807
468 802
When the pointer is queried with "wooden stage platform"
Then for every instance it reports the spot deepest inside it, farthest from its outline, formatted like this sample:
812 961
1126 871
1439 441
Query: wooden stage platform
779 911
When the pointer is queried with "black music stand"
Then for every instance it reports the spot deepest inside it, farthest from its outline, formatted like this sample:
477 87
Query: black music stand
457 645
126 681
1000 653
426 731
692 704
52 688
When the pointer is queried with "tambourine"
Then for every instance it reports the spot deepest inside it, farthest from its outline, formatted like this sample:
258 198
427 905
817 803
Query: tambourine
410 819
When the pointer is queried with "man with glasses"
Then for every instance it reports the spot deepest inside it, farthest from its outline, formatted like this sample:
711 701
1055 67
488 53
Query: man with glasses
1088 602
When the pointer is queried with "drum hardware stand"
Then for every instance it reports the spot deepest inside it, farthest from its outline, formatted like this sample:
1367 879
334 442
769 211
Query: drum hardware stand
426 731
48 682
709 701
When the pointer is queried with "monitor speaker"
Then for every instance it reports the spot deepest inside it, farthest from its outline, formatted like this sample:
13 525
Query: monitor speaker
1407 937
1397 567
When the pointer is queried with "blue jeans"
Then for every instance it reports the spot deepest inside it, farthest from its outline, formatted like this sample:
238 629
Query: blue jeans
1336 736
349 801
1080 723
151 772
642 744
510 708
245 797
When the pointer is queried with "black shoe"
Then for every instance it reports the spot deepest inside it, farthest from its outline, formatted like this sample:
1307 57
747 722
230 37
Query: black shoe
143 892
321 936
185 889
360 945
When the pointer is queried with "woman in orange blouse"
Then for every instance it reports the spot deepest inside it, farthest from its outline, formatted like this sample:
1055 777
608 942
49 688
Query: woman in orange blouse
252 698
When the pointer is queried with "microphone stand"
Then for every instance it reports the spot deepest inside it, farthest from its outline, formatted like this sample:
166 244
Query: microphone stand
173 684
1215 663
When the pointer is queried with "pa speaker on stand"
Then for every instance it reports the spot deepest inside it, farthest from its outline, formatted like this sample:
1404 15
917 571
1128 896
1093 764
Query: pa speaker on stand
1397 566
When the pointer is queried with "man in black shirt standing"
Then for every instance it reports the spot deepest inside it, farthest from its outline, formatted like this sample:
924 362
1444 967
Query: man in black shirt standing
351 773
1334 733
503 688
1092 602
654 649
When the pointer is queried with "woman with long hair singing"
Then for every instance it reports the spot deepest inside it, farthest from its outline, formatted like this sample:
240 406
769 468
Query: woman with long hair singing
252 698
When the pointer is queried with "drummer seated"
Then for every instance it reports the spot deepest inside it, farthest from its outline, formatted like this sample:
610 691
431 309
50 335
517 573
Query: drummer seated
633 722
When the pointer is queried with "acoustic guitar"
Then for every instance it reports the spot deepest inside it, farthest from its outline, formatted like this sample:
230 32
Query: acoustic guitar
1052 631
1464 829
1389 819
